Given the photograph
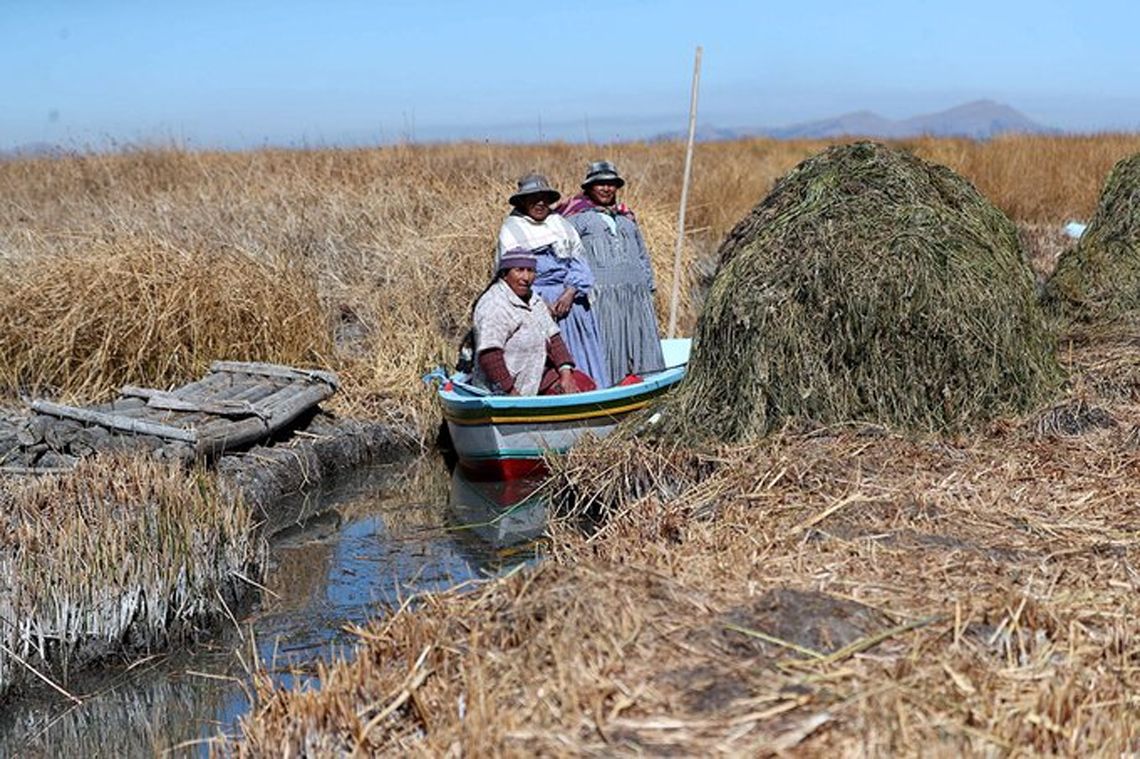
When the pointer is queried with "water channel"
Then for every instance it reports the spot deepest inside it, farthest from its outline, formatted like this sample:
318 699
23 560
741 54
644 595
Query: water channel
345 553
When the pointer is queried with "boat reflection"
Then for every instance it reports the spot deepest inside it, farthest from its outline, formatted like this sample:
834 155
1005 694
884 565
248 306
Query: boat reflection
501 513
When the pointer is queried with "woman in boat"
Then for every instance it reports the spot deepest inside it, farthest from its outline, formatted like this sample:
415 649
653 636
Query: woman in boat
518 347
623 276
562 277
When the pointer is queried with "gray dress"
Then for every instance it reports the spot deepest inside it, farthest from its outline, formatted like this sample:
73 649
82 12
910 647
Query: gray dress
622 298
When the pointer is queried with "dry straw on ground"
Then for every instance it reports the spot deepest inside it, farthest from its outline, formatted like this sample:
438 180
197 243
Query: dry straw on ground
842 592
1099 278
117 555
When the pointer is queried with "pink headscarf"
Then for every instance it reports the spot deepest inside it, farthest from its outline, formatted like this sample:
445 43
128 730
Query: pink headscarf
581 202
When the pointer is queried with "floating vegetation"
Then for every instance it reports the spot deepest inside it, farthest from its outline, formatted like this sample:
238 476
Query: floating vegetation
868 286
1099 278
119 554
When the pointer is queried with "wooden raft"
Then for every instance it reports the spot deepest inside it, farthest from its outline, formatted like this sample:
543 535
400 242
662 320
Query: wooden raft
237 404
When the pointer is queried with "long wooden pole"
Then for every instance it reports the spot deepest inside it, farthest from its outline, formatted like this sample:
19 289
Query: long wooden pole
684 196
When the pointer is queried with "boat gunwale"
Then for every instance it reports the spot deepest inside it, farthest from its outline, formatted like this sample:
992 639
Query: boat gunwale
542 402
468 403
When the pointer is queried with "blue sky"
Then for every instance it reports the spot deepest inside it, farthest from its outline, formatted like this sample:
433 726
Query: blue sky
245 73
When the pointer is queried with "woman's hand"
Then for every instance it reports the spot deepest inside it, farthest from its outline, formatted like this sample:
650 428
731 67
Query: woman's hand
561 307
566 381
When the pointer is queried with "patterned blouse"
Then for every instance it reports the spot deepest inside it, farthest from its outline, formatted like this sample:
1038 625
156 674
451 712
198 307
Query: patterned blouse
521 328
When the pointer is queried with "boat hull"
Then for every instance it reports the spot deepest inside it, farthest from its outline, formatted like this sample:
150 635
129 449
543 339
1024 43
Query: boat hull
508 437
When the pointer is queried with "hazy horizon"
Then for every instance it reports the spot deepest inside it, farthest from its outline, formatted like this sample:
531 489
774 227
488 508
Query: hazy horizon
293 73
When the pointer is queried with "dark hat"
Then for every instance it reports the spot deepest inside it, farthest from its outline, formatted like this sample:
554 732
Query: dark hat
517 258
602 171
534 184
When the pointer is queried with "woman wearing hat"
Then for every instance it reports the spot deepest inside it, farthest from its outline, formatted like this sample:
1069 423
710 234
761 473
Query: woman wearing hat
562 276
623 276
518 348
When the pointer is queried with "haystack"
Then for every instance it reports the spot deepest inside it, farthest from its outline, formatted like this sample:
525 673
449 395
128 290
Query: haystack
868 286
1100 276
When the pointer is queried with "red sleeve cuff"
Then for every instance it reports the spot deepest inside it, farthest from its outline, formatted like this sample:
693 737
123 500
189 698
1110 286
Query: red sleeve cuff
494 368
556 350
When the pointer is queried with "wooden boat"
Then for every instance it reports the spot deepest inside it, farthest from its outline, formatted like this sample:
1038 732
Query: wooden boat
506 436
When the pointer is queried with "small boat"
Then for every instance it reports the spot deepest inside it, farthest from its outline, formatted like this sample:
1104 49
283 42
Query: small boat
507 436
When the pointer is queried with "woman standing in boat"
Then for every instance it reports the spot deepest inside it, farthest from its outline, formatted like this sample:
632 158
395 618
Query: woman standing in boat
623 276
562 277
518 348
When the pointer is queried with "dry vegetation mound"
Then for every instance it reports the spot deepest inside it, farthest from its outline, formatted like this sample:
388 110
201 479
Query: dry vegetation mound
142 310
1100 276
869 285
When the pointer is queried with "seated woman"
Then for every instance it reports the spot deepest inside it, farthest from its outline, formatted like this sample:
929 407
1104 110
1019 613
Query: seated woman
563 277
518 348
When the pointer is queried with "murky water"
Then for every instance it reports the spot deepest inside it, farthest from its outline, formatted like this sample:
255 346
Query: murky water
348 553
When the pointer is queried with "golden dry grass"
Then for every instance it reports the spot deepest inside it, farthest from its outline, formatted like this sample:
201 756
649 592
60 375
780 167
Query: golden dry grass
998 571
139 311
396 242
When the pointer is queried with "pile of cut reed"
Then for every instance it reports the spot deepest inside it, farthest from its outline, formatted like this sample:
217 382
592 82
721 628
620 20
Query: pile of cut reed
120 554
869 285
1099 278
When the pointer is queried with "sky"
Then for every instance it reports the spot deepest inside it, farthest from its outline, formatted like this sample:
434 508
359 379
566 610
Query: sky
245 73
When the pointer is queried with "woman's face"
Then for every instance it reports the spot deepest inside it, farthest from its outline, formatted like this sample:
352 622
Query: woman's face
536 207
603 193
520 279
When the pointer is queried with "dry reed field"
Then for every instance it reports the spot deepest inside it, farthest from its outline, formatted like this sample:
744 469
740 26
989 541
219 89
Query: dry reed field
840 589
144 266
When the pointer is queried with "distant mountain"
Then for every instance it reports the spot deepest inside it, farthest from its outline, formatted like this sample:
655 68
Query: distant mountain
979 120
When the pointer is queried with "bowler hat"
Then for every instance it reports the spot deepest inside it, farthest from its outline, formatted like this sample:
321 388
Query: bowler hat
602 171
534 184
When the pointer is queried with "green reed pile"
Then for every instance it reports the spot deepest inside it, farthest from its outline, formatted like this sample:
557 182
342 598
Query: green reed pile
1099 278
869 285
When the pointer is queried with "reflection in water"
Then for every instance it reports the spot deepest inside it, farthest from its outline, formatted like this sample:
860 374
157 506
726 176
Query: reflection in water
344 554
501 514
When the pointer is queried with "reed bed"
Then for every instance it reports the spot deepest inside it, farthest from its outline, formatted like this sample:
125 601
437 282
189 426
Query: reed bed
138 310
994 573
117 555
839 591
397 241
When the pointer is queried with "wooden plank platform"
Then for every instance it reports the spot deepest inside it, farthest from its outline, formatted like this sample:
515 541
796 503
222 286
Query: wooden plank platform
236 405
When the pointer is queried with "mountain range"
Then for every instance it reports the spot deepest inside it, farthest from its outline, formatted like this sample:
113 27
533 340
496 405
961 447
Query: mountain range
980 119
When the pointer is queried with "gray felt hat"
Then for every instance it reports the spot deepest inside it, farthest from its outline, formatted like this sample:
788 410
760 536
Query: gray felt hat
602 171
534 184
